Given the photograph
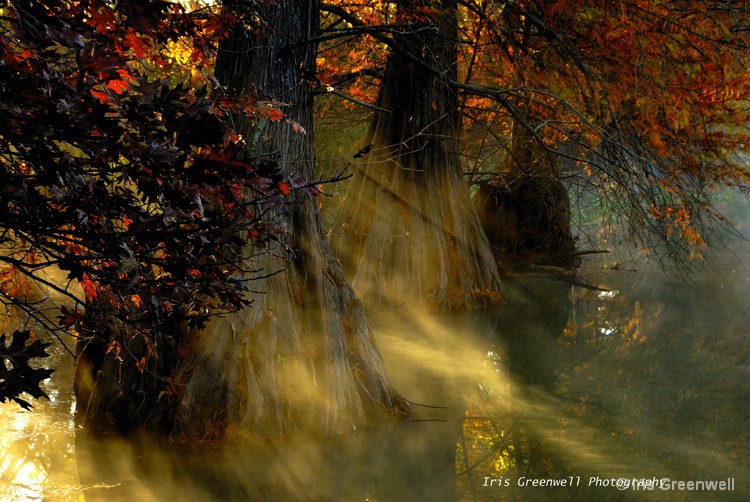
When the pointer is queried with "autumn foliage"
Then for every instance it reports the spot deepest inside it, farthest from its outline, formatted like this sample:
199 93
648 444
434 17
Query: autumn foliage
642 103
132 184
127 175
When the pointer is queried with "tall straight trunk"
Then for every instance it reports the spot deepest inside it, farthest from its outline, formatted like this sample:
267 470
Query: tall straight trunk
302 358
407 232
410 239
407 229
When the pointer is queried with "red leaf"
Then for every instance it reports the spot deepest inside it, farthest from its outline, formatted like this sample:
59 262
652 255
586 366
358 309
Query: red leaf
70 316
89 287
101 96
285 188
119 86
102 19
136 43
274 114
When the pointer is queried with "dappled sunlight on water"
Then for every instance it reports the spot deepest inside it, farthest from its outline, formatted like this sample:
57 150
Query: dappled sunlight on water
38 454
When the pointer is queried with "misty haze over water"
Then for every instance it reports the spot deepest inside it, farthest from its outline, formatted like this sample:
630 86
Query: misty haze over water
649 380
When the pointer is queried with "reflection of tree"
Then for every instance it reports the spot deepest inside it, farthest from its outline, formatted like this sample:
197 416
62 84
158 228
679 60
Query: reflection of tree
674 357
526 215
647 386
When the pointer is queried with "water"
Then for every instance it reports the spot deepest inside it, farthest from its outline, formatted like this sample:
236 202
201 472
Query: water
38 457
650 383
647 380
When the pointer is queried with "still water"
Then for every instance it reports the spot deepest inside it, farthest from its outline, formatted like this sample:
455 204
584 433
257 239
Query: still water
645 378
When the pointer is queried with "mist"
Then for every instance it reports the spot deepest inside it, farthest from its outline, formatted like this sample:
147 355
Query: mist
646 379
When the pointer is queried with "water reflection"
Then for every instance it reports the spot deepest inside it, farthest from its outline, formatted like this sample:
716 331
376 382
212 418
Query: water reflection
646 380
650 382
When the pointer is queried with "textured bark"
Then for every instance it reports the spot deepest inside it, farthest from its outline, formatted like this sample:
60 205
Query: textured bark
410 239
407 229
302 358
525 209
120 388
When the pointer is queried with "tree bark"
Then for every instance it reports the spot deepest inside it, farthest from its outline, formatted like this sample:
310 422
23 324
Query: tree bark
302 358
407 230
525 210
410 239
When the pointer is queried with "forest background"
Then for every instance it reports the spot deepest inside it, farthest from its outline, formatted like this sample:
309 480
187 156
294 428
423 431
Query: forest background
220 199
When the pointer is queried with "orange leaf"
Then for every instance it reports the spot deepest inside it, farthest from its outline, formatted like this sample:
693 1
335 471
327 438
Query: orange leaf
137 301
136 43
274 114
89 288
119 86
284 187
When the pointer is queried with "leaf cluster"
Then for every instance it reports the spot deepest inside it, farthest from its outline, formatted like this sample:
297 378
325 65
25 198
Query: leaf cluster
642 103
135 187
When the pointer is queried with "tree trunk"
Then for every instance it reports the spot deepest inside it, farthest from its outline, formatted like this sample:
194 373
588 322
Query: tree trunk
302 358
407 230
525 209
410 239
526 215
525 212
